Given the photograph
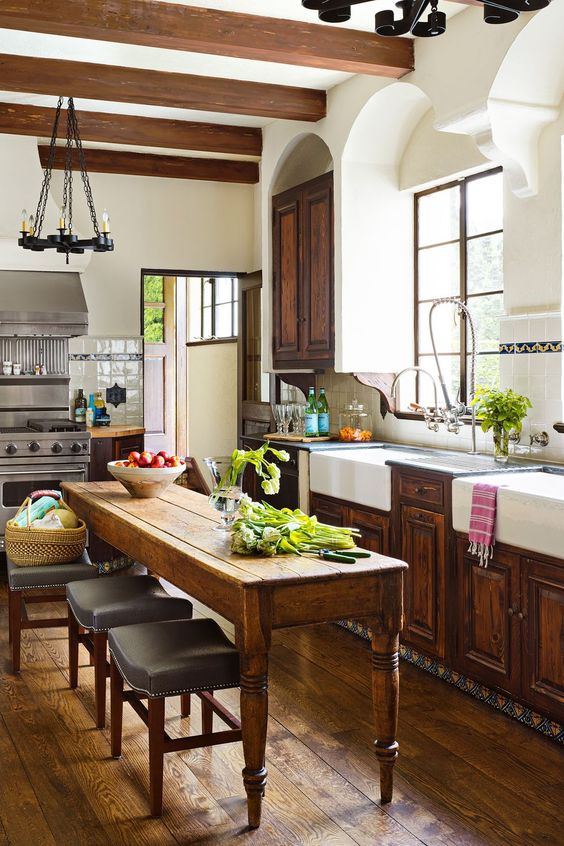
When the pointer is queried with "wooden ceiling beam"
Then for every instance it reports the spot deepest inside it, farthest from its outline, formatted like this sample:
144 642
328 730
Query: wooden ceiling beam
36 75
147 164
179 27
20 119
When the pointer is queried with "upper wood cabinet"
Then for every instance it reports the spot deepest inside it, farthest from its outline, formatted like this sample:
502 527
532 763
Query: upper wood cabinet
303 286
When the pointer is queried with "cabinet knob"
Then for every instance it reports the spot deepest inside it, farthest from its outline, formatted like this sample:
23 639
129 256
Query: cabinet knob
421 490
510 611
521 616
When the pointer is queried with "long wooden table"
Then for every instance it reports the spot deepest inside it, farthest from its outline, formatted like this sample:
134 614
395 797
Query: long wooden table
173 536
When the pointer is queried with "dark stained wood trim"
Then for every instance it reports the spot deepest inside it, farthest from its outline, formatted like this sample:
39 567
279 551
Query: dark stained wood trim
209 342
20 119
146 164
178 27
36 75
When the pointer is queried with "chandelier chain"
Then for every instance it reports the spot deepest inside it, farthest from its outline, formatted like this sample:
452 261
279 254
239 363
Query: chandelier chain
83 172
44 193
67 186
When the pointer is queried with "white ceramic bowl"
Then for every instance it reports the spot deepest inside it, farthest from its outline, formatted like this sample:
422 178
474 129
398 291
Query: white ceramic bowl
145 482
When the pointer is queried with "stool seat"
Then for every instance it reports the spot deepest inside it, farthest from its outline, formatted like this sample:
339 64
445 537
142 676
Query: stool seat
50 575
181 656
99 605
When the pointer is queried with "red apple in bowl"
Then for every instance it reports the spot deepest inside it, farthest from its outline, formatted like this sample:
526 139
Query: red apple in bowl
145 459
158 461
133 457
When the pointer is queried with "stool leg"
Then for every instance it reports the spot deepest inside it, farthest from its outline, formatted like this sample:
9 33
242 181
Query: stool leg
116 708
16 627
185 705
100 676
9 615
156 754
73 651
207 716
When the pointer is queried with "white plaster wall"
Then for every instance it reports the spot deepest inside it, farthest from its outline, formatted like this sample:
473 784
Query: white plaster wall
173 224
212 400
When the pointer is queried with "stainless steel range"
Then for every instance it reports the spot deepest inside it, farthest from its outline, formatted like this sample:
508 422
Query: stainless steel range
39 446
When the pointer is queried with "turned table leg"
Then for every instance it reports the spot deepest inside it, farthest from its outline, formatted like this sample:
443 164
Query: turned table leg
254 719
385 695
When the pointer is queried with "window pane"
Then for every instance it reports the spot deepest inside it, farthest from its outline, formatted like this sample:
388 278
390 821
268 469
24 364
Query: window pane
450 366
223 325
207 293
153 289
486 312
206 322
485 264
484 204
487 371
439 272
154 325
438 216
223 290
446 329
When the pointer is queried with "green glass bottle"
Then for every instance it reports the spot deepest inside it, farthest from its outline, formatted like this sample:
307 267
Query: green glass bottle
311 415
323 421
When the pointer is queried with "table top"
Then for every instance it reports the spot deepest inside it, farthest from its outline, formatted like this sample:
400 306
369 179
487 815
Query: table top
184 520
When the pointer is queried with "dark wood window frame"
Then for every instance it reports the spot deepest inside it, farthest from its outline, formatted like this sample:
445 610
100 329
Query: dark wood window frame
463 240
212 337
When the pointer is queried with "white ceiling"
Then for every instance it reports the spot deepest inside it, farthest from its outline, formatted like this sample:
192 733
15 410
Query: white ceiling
61 47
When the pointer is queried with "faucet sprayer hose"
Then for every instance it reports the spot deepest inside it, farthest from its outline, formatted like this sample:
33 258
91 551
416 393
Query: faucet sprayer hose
462 309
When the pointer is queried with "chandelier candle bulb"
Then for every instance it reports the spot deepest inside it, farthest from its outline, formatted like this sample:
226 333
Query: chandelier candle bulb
24 226
105 221
62 224
31 224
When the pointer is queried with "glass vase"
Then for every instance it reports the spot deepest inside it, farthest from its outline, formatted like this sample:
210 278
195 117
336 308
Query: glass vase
501 444
228 491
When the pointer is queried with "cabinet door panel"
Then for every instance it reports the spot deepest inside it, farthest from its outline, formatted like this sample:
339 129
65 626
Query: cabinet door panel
542 609
374 528
317 291
423 545
327 511
286 277
488 618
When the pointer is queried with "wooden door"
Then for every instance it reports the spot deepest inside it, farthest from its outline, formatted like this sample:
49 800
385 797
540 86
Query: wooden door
327 510
286 278
423 547
488 623
317 290
159 386
374 528
254 387
541 617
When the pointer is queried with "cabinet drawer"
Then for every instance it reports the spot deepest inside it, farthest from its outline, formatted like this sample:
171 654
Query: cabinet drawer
421 489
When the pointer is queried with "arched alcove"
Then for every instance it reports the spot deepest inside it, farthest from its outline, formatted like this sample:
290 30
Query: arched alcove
374 256
305 157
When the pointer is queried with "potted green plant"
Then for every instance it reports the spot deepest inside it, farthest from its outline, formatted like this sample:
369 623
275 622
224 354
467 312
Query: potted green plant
503 412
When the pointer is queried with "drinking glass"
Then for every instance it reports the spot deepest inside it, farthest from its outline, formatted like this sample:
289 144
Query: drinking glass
298 418
286 418
228 491
278 411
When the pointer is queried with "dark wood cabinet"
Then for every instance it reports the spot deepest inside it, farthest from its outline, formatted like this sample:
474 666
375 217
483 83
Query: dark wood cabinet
303 279
489 605
374 525
288 496
423 547
541 617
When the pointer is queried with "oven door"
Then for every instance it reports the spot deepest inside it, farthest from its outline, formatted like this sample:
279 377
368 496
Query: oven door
16 485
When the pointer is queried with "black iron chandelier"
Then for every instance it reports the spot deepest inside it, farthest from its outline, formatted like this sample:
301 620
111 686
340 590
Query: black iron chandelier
65 241
495 12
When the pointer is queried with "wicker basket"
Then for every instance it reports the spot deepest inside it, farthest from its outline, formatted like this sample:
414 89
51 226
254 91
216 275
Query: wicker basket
29 547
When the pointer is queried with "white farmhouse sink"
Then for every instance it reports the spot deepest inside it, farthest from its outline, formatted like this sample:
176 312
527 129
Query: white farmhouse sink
355 475
530 509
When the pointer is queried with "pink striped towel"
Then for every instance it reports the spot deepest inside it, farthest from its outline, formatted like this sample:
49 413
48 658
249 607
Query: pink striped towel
482 522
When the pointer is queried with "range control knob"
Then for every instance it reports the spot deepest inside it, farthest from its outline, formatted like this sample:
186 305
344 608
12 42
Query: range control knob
34 446
75 447
57 447
11 449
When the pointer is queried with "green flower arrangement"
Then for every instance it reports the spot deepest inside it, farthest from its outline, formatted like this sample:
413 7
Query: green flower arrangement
503 412
257 458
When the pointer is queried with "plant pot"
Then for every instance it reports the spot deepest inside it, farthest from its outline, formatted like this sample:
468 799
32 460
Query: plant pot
501 445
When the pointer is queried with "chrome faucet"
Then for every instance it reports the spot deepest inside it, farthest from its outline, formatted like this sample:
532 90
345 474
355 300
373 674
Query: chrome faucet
452 413
431 416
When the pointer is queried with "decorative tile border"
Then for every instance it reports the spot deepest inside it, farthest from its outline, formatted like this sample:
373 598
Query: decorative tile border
530 347
507 706
106 356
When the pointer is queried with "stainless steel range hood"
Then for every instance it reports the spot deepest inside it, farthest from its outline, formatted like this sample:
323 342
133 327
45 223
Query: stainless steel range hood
42 303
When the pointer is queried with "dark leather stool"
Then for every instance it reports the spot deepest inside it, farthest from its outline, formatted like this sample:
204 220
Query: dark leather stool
47 583
108 602
166 659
